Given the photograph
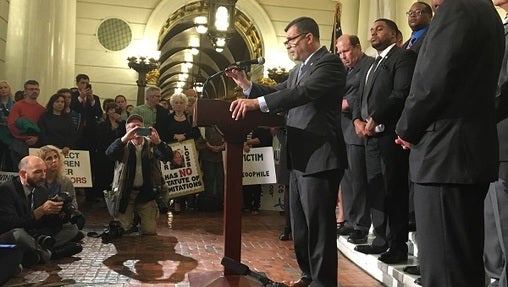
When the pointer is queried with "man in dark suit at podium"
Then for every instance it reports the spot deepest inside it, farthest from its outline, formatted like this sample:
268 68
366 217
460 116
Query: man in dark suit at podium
316 151
449 124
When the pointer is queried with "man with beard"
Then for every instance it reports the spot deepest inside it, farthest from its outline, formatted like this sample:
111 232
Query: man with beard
385 89
30 220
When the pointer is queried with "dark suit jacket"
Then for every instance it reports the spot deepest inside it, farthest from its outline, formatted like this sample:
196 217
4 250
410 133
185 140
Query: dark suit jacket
449 114
89 114
353 94
390 87
314 141
16 212
502 105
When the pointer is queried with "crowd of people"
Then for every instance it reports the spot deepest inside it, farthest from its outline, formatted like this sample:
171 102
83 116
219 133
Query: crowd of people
410 136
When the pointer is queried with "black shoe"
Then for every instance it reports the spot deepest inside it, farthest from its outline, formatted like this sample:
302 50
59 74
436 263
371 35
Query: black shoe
412 269
418 281
345 229
370 249
67 250
393 256
285 236
358 237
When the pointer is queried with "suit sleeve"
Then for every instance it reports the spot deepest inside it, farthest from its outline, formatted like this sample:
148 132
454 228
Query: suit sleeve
322 80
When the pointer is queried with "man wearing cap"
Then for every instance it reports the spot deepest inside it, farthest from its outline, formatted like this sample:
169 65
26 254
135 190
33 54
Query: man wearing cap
142 178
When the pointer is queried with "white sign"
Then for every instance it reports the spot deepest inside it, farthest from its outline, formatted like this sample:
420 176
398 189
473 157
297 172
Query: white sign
76 167
183 175
259 166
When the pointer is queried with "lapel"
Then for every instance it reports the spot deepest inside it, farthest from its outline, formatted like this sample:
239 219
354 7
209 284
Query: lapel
379 69
309 67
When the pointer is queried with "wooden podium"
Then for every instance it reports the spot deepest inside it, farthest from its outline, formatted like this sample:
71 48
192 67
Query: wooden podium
216 112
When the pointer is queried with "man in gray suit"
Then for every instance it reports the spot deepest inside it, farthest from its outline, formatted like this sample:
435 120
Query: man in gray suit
496 213
449 123
354 182
315 146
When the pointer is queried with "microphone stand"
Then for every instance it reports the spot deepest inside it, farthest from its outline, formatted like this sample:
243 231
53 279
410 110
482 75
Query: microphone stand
219 73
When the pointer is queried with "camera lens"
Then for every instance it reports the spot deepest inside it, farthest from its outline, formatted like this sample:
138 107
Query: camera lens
45 241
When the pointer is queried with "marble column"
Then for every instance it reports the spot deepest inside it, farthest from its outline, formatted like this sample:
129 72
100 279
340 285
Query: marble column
41 41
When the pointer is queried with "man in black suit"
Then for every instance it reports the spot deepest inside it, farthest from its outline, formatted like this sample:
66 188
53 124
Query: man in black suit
88 105
385 89
26 211
418 19
354 182
495 253
310 98
449 123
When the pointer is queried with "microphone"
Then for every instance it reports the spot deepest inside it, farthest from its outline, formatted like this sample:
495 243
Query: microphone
242 269
247 63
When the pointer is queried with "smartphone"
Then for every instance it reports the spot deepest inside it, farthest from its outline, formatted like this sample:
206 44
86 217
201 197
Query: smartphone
89 86
143 131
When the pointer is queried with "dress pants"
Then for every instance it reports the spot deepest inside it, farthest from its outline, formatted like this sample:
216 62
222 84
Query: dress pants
449 218
496 232
313 200
354 189
388 190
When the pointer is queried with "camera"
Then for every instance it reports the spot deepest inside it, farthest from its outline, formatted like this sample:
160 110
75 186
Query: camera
89 86
161 202
143 131
115 230
69 213
45 241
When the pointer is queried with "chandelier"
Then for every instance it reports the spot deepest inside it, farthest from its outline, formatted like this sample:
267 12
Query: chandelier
221 22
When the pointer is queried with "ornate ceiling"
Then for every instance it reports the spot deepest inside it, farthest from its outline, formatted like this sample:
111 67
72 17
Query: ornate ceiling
179 41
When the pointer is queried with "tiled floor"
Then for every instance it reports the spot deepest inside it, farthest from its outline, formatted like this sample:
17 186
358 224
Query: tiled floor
191 247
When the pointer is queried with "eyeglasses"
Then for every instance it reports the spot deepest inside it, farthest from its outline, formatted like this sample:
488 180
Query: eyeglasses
416 12
288 40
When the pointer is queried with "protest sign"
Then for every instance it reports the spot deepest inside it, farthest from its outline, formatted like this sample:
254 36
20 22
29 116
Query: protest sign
183 175
76 167
259 166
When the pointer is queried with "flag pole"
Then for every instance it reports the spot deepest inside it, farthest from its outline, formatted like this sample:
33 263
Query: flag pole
336 26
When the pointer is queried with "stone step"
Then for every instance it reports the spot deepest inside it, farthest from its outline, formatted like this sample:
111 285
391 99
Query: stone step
390 275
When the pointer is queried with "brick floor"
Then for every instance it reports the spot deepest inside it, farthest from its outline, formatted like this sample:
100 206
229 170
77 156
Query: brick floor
193 245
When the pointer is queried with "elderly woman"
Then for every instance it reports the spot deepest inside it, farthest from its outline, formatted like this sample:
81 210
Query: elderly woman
179 129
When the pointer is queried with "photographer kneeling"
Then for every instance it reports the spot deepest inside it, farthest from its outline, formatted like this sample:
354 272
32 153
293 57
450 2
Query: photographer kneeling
140 150
32 222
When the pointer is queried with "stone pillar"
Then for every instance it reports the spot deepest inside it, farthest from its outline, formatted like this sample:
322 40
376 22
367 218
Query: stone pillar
41 41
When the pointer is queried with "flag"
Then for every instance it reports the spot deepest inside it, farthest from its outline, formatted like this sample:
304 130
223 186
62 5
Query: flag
336 29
